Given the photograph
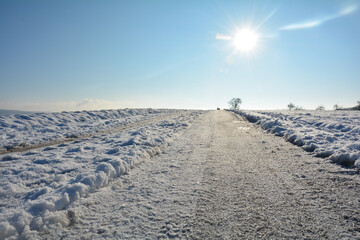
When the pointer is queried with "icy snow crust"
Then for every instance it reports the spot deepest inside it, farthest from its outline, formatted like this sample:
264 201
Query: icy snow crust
328 134
23 130
38 186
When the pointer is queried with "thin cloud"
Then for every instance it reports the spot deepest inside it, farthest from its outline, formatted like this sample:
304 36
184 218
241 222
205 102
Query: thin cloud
315 23
310 24
348 10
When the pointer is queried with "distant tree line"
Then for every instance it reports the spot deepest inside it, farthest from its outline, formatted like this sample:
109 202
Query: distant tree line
235 103
292 106
357 107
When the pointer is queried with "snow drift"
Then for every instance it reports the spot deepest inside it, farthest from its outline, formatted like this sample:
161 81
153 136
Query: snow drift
327 134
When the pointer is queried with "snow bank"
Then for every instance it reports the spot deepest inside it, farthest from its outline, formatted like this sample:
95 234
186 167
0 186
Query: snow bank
328 134
22 130
38 187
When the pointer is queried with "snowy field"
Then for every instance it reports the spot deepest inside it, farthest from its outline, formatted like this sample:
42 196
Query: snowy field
37 186
328 134
26 130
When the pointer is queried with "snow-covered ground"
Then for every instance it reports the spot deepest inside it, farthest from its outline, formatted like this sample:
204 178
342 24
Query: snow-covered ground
223 178
328 134
24 130
38 185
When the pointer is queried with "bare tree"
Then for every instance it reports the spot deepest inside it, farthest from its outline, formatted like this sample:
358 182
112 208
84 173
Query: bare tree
358 106
235 103
320 108
337 107
291 106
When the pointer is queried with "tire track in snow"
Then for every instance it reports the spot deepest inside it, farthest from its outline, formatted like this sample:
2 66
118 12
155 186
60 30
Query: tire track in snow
124 127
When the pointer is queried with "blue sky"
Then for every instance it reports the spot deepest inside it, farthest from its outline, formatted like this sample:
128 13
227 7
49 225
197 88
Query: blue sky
73 55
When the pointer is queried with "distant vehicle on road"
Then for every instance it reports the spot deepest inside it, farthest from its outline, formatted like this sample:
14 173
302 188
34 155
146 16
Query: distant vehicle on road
218 109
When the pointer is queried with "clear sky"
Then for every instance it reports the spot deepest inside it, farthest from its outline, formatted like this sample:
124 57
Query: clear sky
73 55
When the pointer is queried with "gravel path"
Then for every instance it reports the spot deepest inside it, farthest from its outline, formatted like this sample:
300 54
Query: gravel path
223 179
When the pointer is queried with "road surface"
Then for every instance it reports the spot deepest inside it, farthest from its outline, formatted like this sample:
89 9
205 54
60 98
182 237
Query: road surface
223 178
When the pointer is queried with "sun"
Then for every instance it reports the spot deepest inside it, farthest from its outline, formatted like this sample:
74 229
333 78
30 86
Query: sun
245 40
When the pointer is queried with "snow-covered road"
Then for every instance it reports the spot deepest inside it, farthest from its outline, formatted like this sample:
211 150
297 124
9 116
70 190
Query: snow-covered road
223 178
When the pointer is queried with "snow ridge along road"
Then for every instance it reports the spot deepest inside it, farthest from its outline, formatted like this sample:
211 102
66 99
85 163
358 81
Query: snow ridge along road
223 178
334 135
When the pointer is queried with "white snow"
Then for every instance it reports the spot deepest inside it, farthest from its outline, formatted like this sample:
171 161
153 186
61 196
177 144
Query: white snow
328 134
22 130
38 186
